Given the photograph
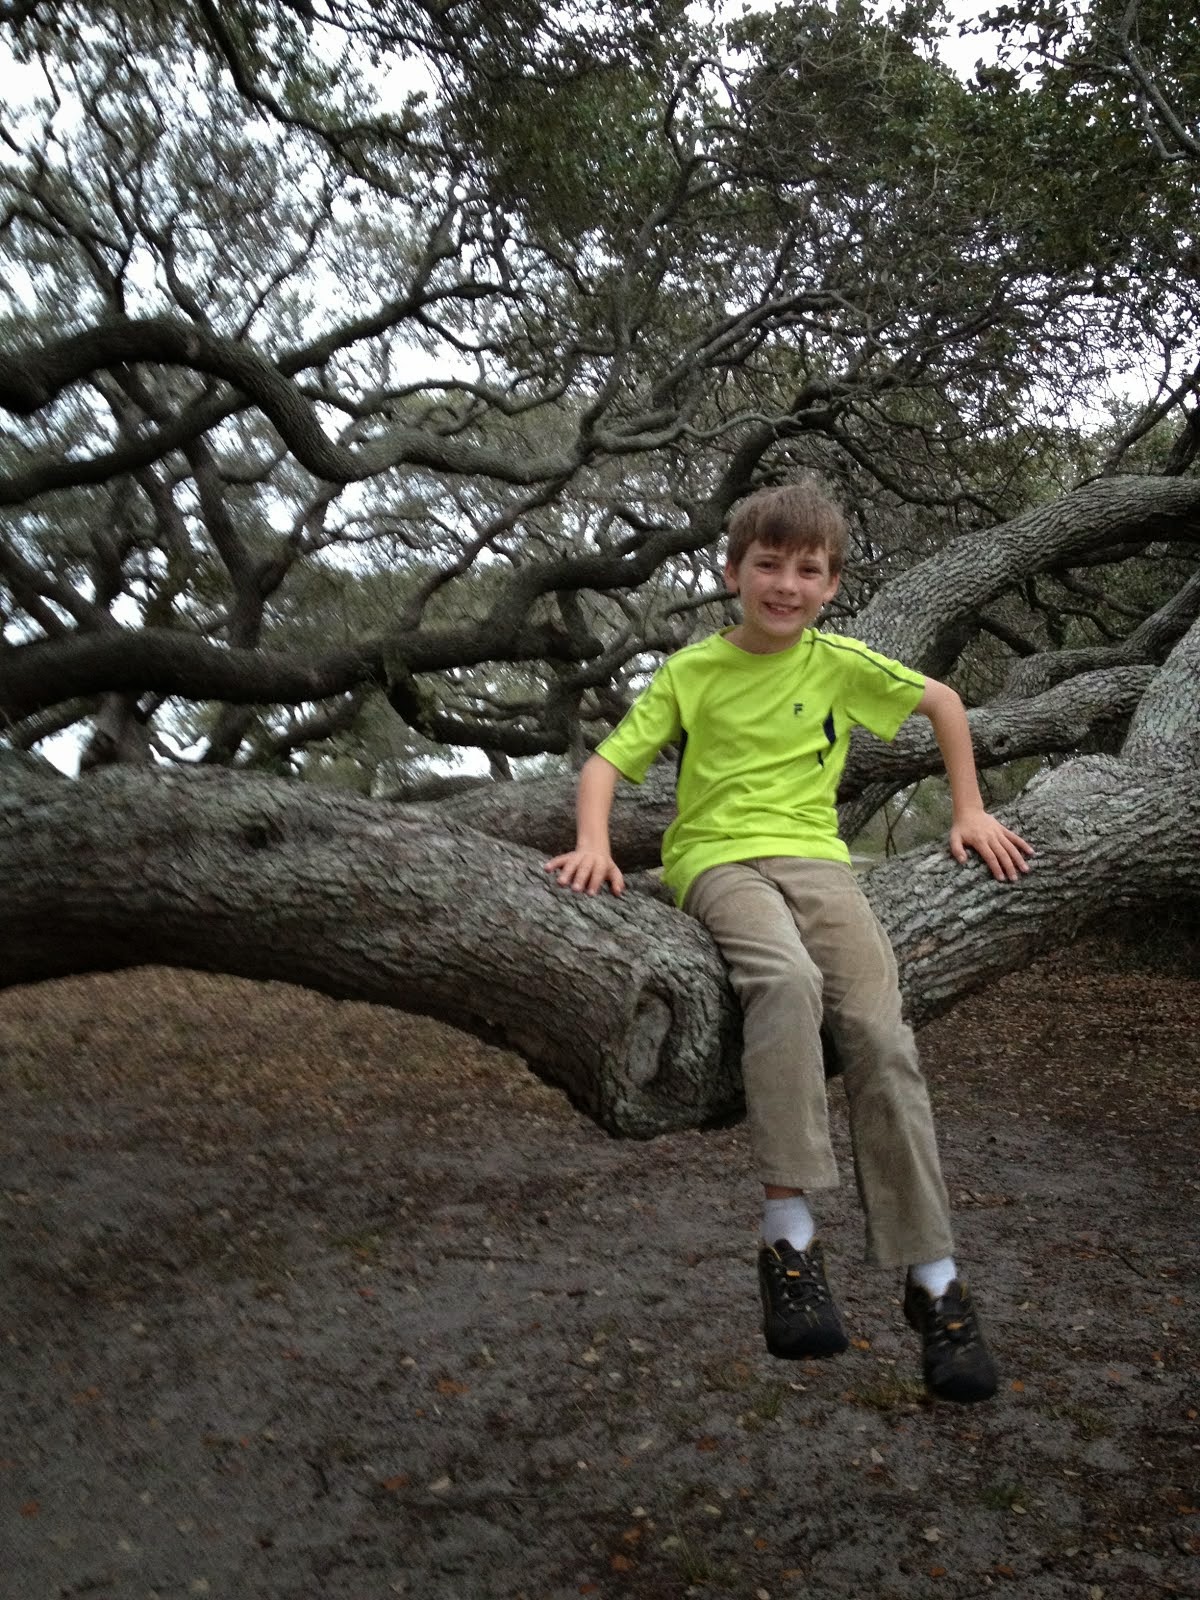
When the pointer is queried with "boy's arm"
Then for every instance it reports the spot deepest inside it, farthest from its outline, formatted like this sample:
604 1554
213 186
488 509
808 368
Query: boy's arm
1002 850
590 865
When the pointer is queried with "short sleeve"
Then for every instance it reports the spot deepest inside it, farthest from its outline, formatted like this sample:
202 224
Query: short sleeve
880 694
651 723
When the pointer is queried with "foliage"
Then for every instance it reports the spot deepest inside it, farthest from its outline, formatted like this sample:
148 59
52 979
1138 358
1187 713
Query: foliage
1114 85
412 355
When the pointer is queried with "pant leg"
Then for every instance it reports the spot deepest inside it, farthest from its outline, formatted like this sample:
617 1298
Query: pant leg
891 1122
779 988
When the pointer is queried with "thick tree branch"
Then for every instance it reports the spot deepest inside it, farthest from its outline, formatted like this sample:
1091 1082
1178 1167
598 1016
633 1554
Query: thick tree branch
1150 642
270 879
924 616
31 379
1072 715
661 1045
37 675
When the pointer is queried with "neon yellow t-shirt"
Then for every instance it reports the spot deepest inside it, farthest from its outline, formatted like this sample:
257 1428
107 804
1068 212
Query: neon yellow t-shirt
762 744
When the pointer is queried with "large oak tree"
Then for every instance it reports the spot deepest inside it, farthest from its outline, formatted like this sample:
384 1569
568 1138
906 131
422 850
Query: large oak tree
375 382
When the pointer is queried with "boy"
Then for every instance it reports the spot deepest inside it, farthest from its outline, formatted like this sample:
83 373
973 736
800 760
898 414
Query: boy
762 714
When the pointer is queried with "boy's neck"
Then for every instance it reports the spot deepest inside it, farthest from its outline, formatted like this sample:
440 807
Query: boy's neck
755 645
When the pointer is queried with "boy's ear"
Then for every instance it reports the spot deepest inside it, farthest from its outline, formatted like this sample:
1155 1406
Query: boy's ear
731 577
834 585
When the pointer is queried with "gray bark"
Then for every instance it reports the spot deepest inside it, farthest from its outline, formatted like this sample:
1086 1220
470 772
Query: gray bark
540 813
624 1003
1080 714
925 615
118 735
1151 641
1107 834
1110 832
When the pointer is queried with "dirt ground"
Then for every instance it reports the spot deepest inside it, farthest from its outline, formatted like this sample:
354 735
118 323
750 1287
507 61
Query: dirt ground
308 1300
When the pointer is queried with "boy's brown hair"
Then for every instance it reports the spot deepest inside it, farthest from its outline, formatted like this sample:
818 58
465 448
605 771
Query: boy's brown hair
795 516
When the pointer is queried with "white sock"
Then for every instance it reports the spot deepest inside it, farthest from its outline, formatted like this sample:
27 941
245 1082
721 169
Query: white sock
935 1277
788 1219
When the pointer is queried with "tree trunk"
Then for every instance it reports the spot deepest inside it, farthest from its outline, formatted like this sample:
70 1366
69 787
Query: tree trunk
1107 835
624 1003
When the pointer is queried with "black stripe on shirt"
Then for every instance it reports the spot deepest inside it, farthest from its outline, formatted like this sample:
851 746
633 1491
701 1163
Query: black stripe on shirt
859 652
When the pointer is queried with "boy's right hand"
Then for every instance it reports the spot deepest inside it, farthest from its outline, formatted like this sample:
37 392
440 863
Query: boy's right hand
587 871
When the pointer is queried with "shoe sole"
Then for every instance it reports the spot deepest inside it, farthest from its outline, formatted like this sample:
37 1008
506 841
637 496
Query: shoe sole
961 1397
813 1349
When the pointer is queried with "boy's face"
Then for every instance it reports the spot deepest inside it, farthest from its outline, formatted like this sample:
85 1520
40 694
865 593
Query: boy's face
782 590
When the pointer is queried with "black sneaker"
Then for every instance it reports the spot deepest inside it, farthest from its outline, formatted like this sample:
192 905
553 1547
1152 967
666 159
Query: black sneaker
800 1319
958 1365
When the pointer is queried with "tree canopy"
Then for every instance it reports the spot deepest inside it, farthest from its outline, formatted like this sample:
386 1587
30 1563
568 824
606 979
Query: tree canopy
376 379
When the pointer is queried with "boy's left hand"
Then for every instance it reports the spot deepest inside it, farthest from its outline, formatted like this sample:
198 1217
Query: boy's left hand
1002 851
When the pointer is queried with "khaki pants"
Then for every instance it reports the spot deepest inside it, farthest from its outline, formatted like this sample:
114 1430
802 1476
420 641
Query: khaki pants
801 941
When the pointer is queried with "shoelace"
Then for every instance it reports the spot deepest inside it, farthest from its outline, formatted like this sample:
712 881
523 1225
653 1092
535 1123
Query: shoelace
953 1322
802 1286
